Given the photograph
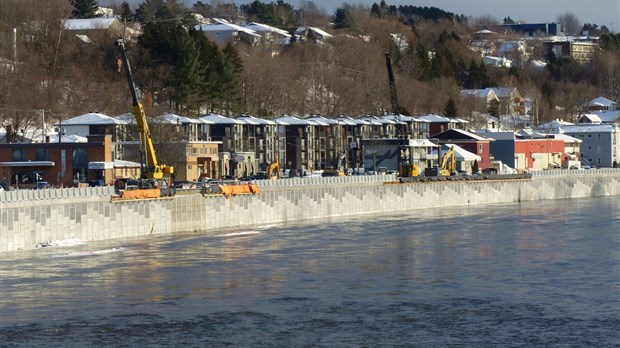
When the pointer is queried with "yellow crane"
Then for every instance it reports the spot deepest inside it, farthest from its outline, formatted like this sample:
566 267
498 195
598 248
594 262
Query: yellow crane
152 169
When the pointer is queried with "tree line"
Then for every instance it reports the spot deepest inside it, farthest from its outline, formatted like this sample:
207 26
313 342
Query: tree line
178 69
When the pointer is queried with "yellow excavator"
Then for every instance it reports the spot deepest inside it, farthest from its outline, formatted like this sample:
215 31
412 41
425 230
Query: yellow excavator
153 172
274 170
448 163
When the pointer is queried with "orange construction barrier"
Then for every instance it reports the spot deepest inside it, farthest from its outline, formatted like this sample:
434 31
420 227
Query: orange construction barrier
141 193
233 190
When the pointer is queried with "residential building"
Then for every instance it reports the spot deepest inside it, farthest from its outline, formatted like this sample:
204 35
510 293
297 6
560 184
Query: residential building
480 100
270 36
472 142
438 124
222 32
296 149
538 153
259 139
90 29
581 51
600 143
60 164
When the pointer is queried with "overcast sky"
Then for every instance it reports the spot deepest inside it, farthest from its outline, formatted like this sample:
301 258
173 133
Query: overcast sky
600 12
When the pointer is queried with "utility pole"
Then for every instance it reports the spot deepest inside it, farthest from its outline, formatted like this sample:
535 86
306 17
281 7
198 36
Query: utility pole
14 49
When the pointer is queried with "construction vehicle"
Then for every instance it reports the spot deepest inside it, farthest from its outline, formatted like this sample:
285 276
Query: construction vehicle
154 175
448 163
338 168
274 170
409 170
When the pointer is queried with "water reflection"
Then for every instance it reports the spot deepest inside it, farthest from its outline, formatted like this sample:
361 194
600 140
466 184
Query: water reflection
491 268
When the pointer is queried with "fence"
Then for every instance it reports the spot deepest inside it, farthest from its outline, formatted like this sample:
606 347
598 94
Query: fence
324 181
46 194
564 172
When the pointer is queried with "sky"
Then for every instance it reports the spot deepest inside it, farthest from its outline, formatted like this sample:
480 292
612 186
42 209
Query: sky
600 12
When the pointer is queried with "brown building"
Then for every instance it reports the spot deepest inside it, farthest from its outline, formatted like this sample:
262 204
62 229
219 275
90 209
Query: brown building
59 164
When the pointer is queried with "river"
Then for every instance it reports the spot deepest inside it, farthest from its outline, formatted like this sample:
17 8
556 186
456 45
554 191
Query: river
532 274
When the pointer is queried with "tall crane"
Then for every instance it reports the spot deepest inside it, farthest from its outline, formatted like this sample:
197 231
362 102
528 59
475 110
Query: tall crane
152 169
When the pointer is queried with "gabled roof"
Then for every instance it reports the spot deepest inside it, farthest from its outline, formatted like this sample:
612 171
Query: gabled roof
601 101
497 135
460 134
219 119
567 138
398 118
313 29
421 143
594 128
460 153
553 125
171 118
259 27
288 120
253 120
91 118
377 120
502 92
349 121
479 93
224 25
607 116
432 118
590 118
89 23
323 121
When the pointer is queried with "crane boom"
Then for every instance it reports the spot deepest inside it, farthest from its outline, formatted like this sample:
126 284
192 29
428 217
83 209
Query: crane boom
152 169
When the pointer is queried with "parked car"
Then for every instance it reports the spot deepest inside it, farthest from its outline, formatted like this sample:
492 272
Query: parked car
41 185
5 186
96 183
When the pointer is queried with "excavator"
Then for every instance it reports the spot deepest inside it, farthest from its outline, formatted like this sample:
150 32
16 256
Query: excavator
338 168
448 163
155 176
274 170
409 170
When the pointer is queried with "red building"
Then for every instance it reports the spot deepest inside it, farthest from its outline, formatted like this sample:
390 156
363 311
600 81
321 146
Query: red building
469 141
539 154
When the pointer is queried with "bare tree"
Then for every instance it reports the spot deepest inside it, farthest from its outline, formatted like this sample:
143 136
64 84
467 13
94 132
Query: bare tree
570 23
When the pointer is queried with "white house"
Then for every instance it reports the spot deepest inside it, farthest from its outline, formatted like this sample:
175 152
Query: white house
223 32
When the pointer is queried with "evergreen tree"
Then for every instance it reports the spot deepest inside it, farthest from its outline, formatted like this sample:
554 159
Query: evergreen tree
126 13
451 110
230 79
340 20
475 167
85 9
375 11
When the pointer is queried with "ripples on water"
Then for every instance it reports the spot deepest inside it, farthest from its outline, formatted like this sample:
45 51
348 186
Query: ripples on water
534 274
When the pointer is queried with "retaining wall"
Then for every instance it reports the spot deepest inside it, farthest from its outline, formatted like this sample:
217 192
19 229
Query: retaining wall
23 224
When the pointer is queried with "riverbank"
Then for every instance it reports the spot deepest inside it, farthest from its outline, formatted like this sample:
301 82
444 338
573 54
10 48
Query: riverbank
24 224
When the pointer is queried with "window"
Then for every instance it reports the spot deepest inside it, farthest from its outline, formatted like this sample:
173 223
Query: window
19 155
80 157
41 154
